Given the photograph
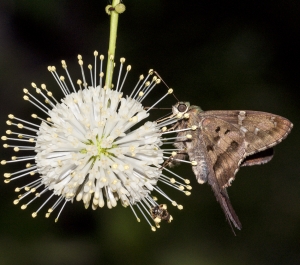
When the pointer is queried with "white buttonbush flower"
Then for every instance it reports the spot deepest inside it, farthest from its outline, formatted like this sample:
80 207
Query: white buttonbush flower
94 146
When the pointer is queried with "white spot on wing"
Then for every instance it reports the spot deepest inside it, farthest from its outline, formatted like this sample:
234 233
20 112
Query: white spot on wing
243 129
241 117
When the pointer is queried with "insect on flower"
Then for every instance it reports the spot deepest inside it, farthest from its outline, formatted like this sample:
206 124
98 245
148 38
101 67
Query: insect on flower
222 142
93 147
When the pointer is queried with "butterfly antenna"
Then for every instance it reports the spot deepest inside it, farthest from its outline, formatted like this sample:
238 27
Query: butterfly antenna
165 84
155 108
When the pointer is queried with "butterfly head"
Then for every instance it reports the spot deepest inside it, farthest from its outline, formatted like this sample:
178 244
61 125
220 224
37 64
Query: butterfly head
181 108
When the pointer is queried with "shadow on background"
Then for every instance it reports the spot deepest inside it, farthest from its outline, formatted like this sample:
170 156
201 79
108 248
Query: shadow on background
233 55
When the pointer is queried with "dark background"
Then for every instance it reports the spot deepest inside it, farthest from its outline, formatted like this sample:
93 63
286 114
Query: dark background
216 54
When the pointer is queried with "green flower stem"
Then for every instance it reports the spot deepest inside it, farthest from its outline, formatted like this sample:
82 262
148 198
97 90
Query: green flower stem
114 16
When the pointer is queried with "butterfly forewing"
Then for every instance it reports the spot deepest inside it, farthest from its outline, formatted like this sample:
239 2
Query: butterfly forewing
260 130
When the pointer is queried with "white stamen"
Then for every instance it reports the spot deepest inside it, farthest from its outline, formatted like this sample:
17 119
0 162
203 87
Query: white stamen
169 92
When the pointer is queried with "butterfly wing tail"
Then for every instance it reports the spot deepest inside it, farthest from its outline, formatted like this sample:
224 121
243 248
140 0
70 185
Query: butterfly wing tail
229 211
223 198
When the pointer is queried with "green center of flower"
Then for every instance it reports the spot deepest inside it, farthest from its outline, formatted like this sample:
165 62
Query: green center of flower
97 149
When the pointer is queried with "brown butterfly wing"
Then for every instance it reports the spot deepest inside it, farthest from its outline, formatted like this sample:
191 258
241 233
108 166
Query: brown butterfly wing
224 146
225 149
261 130
218 149
258 158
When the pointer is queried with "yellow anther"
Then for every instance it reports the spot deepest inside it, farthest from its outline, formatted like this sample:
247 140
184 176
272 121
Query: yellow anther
180 207
172 180
157 220
189 136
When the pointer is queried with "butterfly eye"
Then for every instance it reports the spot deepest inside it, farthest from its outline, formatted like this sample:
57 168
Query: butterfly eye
182 107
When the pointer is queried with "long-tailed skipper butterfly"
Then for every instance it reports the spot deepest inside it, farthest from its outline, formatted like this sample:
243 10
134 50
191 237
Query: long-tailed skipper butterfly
224 141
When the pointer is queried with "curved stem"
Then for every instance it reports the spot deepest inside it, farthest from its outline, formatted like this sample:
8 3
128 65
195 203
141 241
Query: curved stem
114 16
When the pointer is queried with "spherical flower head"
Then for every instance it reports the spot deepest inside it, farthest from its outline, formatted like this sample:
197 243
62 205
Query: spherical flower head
89 151
95 146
